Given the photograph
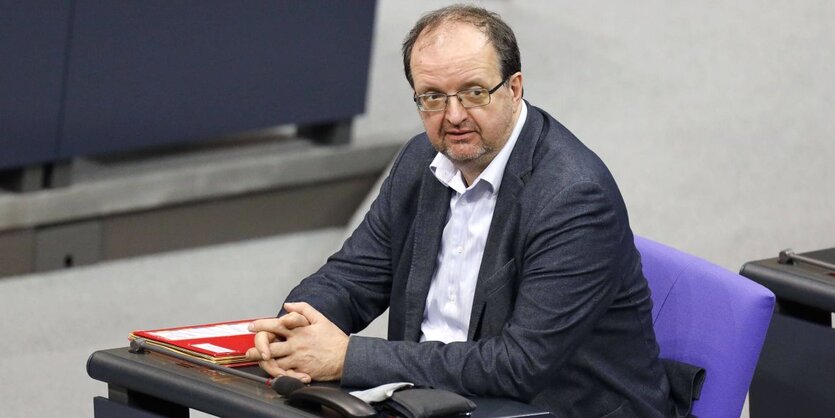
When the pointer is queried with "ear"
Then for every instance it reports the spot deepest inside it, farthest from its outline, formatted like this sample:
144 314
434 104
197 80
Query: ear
515 83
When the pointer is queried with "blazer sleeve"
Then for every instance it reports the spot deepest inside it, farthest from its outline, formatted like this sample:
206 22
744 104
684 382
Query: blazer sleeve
353 287
568 278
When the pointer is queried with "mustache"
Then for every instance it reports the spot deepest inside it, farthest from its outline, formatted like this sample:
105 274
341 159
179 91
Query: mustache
463 127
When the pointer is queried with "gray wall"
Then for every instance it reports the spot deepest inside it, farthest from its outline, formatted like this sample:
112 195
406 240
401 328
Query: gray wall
715 118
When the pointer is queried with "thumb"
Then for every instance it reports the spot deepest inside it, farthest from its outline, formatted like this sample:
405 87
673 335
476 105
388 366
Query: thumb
304 309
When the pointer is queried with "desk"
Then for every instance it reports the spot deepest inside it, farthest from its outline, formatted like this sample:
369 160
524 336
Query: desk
153 385
796 371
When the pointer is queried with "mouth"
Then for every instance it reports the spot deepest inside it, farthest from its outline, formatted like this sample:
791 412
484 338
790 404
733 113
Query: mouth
458 135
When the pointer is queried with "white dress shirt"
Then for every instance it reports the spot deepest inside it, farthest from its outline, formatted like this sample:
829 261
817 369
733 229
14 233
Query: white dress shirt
449 302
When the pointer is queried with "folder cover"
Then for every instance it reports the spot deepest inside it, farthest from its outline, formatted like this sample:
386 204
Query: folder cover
222 343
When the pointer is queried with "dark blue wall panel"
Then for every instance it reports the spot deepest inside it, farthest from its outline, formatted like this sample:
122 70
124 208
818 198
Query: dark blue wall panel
33 37
149 73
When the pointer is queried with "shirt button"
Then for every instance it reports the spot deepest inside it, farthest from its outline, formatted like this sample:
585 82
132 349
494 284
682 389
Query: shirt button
459 249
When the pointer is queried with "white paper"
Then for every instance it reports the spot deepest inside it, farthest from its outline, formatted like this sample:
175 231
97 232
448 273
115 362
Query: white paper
380 393
222 330
213 348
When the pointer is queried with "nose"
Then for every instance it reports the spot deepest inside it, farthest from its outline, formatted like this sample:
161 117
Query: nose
455 112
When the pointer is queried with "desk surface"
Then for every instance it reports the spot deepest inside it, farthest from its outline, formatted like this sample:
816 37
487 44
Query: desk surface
221 394
796 369
799 282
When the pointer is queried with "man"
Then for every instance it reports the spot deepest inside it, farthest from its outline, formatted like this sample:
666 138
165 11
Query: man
499 242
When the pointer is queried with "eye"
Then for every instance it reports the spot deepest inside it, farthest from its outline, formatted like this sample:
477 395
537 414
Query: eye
475 93
434 97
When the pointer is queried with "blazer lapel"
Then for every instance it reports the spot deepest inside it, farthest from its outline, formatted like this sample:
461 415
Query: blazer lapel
501 238
498 249
433 205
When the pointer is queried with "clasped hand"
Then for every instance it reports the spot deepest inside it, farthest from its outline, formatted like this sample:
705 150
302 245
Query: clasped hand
302 344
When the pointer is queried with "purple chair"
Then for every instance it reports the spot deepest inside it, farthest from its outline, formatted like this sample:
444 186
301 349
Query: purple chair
709 317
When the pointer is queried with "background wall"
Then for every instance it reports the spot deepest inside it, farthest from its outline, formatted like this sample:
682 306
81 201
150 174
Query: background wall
715 118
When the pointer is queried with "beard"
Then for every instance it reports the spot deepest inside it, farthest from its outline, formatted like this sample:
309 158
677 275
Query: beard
463 151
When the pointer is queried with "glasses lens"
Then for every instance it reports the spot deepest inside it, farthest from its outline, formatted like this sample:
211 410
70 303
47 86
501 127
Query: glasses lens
474 97
432 101
469 98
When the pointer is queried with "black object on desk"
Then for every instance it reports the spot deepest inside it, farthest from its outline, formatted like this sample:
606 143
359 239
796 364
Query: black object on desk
796 372
289 387
153 385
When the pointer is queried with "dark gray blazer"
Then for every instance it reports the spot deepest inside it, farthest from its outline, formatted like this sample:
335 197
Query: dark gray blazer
561 313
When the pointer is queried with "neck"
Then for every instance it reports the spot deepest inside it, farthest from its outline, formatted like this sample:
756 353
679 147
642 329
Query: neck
470 170
468 180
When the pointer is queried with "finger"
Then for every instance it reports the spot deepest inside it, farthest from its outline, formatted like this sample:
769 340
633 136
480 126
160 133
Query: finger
294 320
253 355
286 363
304 377
280 349
278 326
303 308
262 343
268 324
291 366
271 367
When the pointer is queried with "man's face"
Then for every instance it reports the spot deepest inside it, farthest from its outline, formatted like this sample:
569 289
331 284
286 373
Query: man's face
455 57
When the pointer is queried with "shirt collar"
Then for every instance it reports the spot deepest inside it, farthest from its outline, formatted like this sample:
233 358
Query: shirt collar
445 171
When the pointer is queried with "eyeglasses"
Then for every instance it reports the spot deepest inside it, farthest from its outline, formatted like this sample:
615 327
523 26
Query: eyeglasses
435 102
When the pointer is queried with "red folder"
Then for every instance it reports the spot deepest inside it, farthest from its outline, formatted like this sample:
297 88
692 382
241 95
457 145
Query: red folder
223 343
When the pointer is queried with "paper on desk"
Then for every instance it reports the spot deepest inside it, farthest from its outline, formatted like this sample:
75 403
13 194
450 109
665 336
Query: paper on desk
380 393
206 331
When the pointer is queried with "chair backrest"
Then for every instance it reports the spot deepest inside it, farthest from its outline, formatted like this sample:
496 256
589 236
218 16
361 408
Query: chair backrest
709 317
